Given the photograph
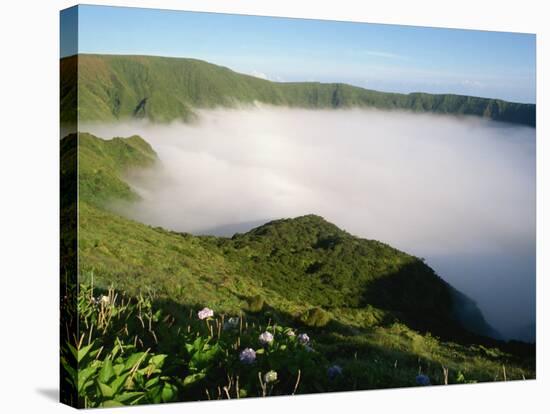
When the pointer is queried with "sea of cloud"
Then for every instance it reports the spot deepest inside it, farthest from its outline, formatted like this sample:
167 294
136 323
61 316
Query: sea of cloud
458 191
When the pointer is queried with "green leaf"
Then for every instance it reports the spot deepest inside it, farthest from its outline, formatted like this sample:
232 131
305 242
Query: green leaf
154 394
126 396
118 382
73 350
189 348
82 352
152 382
192 379
133 360
106 372
199 343
83 376
106 391
112 403
72 374
119 369
168 393
201 360
158 360
88 383
157 315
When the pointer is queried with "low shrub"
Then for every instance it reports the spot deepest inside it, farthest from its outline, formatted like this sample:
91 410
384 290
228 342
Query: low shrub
315 317
256 303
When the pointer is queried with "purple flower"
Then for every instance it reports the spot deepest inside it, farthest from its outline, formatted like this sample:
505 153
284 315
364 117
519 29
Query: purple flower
205 313
247 356
334 371
266 338
303 338
422 380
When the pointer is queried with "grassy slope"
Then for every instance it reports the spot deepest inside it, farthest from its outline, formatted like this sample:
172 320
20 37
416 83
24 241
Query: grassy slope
164 89
101 164
370 290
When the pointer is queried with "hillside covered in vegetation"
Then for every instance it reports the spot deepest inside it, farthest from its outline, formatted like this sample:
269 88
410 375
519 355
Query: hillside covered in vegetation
372 316
163 89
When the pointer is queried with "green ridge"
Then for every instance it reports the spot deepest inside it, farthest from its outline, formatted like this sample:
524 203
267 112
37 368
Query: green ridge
163 89
101 165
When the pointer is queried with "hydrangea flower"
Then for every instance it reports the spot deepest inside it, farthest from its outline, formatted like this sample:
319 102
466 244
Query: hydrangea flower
231 323
247 356
422 379
334 371
101 300
205 313
266 338
270 376
303 338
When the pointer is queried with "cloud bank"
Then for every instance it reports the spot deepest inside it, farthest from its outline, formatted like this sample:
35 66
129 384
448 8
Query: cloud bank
458 191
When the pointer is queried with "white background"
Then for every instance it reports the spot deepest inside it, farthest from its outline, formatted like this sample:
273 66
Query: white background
29 143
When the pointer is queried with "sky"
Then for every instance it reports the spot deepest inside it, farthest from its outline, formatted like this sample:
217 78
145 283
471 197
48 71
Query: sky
390 58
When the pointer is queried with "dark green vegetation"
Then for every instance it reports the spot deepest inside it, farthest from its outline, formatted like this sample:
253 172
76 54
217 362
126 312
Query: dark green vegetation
380 314
162 89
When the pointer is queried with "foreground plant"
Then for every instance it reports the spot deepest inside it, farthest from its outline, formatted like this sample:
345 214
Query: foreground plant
135 350
131 353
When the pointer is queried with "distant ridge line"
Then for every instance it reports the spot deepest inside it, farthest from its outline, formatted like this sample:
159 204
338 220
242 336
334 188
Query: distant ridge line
164 89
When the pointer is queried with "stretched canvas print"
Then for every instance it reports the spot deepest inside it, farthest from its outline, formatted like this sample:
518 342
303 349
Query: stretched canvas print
263 206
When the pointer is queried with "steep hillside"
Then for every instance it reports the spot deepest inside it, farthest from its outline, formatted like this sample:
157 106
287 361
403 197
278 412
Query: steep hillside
379 314
163 89
468 314
309 260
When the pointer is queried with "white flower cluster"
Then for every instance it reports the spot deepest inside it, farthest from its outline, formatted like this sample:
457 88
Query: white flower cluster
270 376
303 338
266 338
101 300
205 313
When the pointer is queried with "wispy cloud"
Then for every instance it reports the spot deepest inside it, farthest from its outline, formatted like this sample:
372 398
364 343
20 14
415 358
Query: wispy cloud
263 75
258 74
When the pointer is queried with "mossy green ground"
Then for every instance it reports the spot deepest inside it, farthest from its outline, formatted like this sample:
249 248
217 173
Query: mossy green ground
386 315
